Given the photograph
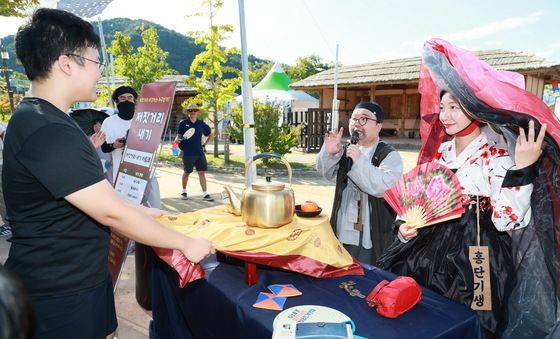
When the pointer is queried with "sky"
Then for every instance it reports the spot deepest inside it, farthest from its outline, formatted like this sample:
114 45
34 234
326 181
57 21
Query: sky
365 30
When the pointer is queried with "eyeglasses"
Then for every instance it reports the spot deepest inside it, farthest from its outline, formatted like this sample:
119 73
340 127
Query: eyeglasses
192 110
100 64
361 120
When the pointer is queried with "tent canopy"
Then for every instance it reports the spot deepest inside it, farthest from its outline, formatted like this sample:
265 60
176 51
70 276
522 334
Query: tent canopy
276 78
274 87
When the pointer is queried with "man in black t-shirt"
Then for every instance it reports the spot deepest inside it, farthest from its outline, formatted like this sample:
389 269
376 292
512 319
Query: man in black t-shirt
189 136
56 197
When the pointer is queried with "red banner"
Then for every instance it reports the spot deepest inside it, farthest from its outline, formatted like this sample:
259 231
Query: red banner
138 162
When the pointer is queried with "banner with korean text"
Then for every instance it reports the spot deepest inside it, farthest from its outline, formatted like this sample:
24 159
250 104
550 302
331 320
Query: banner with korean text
137 166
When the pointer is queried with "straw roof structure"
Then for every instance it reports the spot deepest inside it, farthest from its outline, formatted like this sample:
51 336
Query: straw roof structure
407 70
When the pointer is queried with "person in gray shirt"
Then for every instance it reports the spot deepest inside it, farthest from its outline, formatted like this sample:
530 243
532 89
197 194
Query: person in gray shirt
363 171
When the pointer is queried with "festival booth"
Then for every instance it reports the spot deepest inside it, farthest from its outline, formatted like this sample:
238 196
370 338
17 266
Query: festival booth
302 271
304 275
275 88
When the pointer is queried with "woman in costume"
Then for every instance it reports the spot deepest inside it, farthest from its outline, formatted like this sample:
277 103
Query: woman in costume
507 189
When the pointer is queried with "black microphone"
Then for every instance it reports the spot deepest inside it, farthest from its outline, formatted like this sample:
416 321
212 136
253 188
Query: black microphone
354 138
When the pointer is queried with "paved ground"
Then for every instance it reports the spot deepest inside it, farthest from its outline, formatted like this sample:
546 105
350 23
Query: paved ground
133 320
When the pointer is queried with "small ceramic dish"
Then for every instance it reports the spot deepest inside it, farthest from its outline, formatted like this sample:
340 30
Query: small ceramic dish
303 214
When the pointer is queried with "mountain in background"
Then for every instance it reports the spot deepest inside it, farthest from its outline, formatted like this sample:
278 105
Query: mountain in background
182 49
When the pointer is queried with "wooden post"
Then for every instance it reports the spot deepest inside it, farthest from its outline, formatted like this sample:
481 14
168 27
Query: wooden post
372 93
404 112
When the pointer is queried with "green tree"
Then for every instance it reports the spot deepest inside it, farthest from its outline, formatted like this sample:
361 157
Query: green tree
208 68
5 104
307 66
146 65
16 7
269 135
103 96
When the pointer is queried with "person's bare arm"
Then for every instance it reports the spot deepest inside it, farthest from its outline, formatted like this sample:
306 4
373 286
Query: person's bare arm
151 211
209 138
100 202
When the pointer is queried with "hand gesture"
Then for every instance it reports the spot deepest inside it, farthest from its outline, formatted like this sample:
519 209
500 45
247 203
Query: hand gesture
198 249
97 139
408 231
332 141
527 149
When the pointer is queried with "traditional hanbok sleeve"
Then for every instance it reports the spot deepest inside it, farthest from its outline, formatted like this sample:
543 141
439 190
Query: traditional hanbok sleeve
511 191
327 165
376 180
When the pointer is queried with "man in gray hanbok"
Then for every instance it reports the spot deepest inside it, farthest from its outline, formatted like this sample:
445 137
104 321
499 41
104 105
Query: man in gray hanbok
363 170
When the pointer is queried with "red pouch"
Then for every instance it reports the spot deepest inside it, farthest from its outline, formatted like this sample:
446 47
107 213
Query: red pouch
391 299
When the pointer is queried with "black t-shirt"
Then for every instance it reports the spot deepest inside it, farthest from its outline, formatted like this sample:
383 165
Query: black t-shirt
191 143
56 248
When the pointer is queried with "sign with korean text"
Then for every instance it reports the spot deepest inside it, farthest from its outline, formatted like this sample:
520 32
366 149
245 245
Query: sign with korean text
482 291
137 166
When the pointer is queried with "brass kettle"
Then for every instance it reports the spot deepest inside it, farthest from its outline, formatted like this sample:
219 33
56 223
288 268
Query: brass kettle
266 204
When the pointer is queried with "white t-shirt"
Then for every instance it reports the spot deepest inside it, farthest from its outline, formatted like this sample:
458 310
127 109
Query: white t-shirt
114 128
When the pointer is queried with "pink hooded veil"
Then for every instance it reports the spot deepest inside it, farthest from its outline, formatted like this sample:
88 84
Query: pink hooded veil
499 99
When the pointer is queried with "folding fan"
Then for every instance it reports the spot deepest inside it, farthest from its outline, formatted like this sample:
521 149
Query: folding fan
428 194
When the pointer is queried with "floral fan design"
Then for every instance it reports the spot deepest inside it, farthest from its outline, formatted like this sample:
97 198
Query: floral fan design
428 194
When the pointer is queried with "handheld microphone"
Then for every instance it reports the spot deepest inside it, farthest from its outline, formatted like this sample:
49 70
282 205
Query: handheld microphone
354 138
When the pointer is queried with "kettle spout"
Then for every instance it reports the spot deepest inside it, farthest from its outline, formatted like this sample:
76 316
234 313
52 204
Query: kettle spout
234 201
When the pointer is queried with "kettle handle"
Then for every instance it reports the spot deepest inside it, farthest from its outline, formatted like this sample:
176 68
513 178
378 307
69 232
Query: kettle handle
270 155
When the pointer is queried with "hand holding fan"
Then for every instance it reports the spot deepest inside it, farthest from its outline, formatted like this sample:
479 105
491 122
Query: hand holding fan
428 194
189 133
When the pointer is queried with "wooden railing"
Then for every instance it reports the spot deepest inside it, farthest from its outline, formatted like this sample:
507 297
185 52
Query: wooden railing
316 122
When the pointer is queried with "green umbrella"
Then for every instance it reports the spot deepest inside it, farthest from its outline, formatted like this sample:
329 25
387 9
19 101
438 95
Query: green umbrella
86 118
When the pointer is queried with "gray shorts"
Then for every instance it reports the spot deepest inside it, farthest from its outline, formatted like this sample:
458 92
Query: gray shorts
198 162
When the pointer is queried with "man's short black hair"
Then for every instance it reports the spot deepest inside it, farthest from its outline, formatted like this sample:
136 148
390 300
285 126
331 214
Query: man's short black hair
49 34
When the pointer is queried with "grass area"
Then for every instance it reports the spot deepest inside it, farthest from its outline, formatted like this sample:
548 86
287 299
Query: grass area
234 161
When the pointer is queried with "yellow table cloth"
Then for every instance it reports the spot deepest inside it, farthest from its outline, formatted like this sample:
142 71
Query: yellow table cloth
306 245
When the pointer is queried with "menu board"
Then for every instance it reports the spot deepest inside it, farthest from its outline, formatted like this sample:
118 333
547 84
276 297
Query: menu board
137 165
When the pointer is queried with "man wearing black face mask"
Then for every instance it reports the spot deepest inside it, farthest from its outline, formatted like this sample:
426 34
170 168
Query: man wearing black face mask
116 126
116 129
